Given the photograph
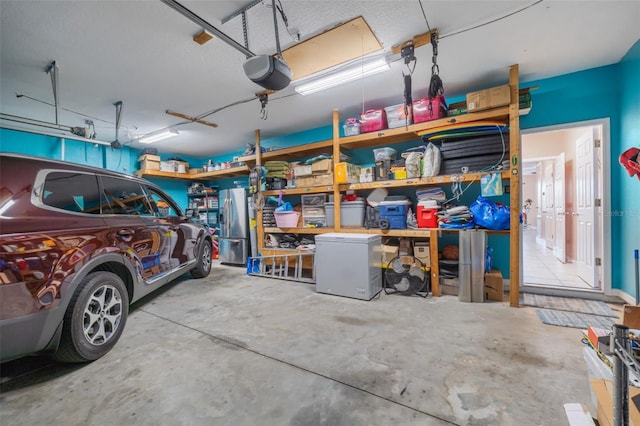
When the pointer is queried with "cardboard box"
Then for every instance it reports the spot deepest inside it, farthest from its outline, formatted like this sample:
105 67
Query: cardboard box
489 98
149 157
422 251
323 180
493 286
168 166
322 166
388 253
578 415
604 392
304 181
631 316
149 165
302 170
347 173
598 337
449 286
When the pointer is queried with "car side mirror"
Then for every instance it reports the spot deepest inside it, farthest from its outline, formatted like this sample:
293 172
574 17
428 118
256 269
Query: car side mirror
191 213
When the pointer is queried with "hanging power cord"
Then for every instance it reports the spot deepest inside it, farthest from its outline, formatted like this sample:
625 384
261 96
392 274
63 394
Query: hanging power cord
491 21
264 99
295 36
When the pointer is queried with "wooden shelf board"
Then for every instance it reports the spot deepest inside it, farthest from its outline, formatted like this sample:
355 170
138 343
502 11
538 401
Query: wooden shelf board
295 191
435 180
160 174
234 171
402 134
292 153
299 230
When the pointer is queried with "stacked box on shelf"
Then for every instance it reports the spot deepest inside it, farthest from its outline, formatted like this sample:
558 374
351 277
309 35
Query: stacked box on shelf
373 120
347 173
397 116
149 162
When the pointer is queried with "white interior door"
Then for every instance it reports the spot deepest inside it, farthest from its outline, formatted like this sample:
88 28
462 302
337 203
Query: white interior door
559 241
586 206
548 214
539 204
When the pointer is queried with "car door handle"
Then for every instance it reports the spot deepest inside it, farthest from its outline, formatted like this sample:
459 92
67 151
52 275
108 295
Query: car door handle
126 232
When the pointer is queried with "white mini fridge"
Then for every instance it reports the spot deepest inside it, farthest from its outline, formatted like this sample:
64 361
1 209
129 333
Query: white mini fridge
348 265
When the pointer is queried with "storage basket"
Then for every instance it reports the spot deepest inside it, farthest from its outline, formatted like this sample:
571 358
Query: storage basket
288 219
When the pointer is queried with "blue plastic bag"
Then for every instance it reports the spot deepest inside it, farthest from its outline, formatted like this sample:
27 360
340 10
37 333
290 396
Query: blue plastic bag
490 215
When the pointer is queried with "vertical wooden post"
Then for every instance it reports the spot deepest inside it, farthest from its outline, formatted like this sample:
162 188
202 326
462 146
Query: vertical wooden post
259 227
515 198
435 264
336 160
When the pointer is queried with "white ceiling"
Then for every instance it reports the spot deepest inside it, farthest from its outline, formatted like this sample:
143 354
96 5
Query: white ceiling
142 53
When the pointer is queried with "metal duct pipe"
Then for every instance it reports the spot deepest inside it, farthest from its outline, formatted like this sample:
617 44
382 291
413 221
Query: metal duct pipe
44 124
207 26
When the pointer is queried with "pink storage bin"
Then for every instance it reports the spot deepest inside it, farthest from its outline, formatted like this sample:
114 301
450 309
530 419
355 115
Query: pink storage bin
373 120
421 111
287 219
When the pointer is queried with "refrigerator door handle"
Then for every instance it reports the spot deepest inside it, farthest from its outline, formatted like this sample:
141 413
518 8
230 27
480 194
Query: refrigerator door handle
228 221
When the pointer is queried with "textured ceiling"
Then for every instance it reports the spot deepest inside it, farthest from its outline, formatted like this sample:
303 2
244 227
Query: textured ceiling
142 53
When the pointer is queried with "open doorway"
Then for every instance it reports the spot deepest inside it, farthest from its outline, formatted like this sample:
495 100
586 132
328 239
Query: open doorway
562 196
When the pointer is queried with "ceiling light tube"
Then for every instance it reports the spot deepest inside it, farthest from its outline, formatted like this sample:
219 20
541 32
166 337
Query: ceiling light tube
158 136
355 71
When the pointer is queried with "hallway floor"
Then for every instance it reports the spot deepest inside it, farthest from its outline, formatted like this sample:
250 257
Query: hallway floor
238 350
541 267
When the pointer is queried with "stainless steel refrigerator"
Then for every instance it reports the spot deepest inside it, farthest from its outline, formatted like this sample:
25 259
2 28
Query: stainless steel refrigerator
234 226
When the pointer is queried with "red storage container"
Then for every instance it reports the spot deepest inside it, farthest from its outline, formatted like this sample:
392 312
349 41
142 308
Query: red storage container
421 111
426 216
373 120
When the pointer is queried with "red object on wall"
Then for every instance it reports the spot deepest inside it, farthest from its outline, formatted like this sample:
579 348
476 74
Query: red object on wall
630 160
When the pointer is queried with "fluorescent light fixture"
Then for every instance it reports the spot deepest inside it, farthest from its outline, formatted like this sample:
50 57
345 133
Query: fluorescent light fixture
158 136
341 74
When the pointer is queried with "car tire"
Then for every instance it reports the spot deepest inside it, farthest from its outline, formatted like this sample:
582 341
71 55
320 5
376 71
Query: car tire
95 318
203 265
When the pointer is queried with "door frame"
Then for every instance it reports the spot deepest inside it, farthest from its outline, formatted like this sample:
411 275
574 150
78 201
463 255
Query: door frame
604 189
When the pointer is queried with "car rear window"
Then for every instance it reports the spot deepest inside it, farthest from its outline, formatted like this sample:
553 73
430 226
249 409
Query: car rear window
72 191
122 196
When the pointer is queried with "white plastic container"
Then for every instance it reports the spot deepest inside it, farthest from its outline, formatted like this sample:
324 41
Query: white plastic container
351 213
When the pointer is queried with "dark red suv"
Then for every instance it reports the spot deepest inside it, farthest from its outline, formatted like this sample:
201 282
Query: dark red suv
77 246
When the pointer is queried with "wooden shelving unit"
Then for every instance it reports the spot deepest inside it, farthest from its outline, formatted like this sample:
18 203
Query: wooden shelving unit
508 115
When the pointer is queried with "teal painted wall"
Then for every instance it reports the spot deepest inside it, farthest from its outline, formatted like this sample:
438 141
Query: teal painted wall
627 218
124 160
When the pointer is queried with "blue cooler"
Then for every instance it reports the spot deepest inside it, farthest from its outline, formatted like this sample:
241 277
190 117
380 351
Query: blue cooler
393 214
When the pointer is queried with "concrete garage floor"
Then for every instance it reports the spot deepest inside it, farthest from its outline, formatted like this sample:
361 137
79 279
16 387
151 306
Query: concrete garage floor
238 350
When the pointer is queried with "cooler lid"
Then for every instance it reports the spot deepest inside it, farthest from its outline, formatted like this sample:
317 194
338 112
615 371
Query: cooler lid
430 204
348 238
